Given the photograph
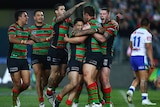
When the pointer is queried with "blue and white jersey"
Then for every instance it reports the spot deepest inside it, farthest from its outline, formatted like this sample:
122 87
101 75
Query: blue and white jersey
138 59
139 38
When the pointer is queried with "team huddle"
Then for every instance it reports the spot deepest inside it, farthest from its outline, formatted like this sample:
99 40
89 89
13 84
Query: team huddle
87 60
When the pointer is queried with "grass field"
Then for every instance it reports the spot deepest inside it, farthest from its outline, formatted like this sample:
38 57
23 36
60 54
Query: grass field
118 97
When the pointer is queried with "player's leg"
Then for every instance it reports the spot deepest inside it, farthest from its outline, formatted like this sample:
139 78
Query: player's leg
143 75
132 88
106 87
38 70
73 81
16 79
90 73
52 78
76 93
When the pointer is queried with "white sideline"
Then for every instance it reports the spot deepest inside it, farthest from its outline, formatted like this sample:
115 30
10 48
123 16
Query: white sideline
124 96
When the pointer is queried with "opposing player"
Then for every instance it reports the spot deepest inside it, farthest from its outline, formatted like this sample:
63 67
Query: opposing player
39 61
141 49
57 55
17 55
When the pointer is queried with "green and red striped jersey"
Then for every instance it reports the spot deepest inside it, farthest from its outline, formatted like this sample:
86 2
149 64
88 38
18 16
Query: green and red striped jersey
107 47
77 50
60 29
18 51
92 44
44 31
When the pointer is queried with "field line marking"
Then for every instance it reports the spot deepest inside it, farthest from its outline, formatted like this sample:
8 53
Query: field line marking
124 96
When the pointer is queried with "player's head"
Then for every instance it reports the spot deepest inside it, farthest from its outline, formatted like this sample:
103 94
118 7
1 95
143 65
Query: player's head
59 9
145 23
88 13
38 16
104 14
21 16
78 23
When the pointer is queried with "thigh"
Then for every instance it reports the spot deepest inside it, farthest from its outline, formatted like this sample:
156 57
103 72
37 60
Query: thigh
25 75
16 78
89 70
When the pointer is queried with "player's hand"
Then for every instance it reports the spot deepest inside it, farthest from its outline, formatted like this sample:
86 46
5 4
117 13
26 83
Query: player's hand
81 3
101 30
152 64
66 38
116 25
86 26
29 42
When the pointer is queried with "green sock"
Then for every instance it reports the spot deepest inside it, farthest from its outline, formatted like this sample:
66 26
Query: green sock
93 93
107 96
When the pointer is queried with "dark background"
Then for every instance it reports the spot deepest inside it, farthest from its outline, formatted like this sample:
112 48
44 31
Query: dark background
16 4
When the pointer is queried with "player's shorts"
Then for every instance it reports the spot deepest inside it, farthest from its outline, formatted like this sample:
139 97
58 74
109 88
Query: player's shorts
139 63
74 65
15 65
40 59
107 61
94 58
57 56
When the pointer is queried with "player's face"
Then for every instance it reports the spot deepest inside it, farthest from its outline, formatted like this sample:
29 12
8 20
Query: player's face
39 17
79 25
61 10
104 15
24 18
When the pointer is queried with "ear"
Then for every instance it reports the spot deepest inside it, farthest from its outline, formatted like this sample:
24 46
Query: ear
56 11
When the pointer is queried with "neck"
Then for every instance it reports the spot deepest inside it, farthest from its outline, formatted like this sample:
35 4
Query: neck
38 24
20 23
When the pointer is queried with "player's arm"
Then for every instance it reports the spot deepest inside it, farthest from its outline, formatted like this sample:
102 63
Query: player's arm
13 39
37 39
69 12
89 31
99 37
75 40
150 53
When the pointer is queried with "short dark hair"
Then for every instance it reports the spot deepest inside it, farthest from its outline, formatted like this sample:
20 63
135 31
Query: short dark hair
18 13
78 19
106 9
38 10
89 10
57 6
145 22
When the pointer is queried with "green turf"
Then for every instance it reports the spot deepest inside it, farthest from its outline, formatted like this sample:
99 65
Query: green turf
29 98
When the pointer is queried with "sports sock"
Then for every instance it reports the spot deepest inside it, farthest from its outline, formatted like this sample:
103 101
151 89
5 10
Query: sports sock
144 96
68 103
107 96
49 91
41 99
58 98
132 88
93 93
14 96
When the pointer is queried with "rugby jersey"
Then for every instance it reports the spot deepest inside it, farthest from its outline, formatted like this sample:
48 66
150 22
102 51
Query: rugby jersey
44 31
77 50
91 43
60 29
107 46
18 51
